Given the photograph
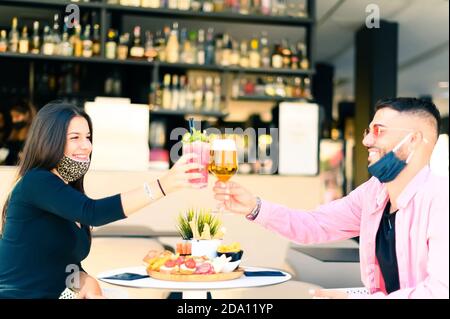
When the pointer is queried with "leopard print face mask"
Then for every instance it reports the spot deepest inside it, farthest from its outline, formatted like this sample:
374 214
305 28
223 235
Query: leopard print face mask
72 170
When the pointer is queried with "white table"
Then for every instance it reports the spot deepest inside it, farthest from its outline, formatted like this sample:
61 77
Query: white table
194 290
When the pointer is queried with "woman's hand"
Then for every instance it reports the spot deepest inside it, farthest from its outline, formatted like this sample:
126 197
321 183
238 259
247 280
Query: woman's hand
234 197
90 289
179 175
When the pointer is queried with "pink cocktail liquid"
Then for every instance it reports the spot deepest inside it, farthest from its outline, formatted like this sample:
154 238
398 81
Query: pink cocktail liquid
201 149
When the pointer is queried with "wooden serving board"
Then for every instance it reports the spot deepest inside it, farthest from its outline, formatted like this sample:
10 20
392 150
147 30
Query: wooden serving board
197 277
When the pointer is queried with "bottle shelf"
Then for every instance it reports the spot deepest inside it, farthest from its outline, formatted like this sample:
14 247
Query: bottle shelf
52 3
188 112
180 66
264 98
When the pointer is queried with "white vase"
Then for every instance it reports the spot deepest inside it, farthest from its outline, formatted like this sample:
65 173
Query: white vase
205 247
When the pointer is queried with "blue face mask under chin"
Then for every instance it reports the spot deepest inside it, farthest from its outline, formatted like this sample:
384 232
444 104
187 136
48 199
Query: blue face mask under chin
387 168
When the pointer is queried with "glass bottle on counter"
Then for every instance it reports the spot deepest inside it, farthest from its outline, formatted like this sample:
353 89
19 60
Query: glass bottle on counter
35 40
48 45
96 45
254 56
175 93
111 45
184 5
13 43
166 96
173 47
137 51
24 42
3 41
87 42
122 49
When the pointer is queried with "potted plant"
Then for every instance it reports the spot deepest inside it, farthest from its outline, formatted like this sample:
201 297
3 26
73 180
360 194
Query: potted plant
203 230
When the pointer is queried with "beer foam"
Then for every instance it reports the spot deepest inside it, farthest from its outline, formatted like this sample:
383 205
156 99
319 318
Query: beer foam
223 145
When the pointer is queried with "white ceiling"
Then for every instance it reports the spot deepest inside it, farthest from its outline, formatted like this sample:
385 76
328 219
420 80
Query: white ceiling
423 43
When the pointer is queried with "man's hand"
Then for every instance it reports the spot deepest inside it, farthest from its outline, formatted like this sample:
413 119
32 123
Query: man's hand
234 198
328 294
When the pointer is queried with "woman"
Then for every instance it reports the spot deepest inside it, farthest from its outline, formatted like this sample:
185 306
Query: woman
47 216
22 114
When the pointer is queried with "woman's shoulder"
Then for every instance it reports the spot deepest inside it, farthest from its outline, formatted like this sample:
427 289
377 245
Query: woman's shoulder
38 175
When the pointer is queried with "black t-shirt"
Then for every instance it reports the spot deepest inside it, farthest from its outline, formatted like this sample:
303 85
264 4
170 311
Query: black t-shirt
41 244
385 250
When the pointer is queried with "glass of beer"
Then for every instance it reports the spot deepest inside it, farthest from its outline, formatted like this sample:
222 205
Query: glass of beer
223 160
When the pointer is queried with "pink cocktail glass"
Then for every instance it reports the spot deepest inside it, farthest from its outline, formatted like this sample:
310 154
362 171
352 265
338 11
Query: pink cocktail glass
201 149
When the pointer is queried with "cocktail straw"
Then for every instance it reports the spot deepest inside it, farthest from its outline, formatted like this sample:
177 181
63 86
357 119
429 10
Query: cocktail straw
191 125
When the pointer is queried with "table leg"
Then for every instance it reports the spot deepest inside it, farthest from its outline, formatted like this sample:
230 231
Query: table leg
194 294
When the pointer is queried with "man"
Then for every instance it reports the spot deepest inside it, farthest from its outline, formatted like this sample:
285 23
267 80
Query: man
401 214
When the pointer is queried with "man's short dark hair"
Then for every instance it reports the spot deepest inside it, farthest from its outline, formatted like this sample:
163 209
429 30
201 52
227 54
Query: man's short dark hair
412 105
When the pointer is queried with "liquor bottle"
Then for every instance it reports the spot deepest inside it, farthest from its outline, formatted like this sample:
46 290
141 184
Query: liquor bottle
280 87
24 42
303 57
297 92
111 45
66 48
266 7
166 96
295 63
208 6
265 51
244 61
3 41
150 51
190 50
48 45
254 56
56 35
87 42
196 5
96 45
209 94
160 45
182 93
219 5
218 51
175 93
209 51
184 5
183 45
172 4
286 54
35 40
155 4
137 51
244 7
307 88
13 44
217 94
198 94
189 94
173 47
77 44
201 47
122 49
235 54
277 59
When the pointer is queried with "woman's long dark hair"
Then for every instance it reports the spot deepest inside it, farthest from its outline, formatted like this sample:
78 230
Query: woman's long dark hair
46 141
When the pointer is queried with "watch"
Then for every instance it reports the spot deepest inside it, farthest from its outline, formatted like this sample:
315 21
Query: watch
254 213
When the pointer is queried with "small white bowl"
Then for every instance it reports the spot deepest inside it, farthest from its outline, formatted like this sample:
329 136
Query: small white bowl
231 266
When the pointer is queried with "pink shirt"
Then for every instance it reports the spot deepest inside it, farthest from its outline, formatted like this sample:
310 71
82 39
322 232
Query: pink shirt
421 234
